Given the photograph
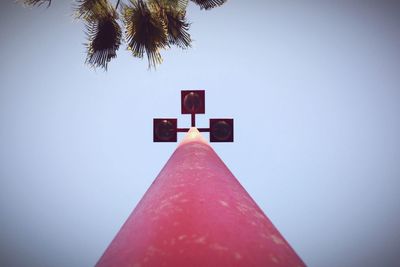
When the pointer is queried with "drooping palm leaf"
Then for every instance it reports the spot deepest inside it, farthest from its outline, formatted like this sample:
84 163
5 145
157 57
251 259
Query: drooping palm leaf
174 14
91 10
104 37
208 4
146 30
178 28
37 2
177 5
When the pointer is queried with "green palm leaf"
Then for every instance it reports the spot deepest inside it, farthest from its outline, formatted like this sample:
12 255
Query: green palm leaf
36 2
104 38
208 4
178 28
146 30
92 9
177 5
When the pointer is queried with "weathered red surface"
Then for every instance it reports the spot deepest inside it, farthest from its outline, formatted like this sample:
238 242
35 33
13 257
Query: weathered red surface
196 214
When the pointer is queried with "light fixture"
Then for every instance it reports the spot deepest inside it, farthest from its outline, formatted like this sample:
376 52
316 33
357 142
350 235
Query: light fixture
192 102
165 130
221 130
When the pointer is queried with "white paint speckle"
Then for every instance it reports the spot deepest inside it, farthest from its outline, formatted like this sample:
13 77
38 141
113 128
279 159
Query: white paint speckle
274 259
238 256
152 251
242 208
263 235
277 240
259 215
200 240
223 203
176 196
179 185
181 237
217 246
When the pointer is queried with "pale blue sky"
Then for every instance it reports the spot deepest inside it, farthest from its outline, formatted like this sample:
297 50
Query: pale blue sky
314 90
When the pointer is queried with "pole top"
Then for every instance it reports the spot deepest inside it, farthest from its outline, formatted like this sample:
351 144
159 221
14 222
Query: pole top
193 135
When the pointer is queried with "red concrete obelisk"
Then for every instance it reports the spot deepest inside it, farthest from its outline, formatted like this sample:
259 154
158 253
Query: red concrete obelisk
196 214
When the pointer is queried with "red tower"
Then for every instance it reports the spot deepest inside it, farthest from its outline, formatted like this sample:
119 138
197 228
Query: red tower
196 214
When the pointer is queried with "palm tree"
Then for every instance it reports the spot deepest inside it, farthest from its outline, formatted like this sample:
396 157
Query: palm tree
149 26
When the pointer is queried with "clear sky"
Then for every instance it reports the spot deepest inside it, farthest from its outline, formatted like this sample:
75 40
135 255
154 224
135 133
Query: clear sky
314 90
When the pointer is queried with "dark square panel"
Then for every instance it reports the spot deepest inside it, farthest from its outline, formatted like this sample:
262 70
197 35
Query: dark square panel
165 130
193 101
221 130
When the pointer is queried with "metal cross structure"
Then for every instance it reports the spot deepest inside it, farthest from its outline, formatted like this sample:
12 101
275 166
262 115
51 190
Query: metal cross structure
192 102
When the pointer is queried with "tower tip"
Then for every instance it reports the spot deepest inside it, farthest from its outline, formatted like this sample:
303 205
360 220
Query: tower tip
193 135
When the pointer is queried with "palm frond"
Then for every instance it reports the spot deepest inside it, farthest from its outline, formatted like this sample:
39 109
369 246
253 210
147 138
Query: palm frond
178 28
208 4
36 2
177 5
146 30
92 10
174 13
104 36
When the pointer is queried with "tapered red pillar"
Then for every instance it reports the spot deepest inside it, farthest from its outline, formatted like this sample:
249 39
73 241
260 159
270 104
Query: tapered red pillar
196 214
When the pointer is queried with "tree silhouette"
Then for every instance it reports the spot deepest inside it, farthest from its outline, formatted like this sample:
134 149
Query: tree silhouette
149 26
